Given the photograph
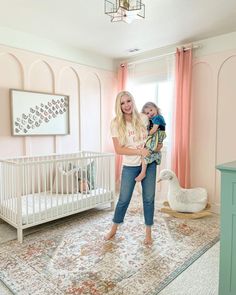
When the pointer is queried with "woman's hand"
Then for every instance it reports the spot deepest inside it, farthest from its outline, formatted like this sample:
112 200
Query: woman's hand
121 150
144 152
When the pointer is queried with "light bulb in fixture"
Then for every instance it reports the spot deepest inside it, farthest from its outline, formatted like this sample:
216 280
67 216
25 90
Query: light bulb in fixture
125 10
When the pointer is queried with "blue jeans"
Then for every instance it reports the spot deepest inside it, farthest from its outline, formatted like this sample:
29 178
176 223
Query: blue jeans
129 173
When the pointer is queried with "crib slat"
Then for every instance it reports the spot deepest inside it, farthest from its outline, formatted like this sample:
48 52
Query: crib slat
72 189
38 169
43 193
28 191
51 187
57 188
19 204
32 177
44 179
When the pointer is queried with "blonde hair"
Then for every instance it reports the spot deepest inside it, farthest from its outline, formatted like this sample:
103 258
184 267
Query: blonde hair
120 123
151 105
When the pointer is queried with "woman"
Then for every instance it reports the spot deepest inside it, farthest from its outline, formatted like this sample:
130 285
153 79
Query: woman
129 132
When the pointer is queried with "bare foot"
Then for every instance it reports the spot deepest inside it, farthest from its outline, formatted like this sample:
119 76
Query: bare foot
109 236
148 238
111 233
140 177
148 241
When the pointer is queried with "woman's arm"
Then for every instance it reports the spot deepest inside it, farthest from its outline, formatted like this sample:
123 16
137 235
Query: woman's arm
121 150
154 129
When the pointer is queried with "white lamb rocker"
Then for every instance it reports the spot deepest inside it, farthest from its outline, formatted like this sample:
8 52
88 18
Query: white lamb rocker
184 203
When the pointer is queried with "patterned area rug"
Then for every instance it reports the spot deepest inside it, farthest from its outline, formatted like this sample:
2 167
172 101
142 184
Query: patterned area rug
71 257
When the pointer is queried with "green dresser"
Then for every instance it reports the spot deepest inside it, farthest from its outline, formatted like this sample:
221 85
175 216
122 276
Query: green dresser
227 283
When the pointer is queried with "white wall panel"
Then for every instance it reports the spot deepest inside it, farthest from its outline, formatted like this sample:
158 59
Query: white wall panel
88 103
41 78
11 76
213 120
69 83
91 113
226 116
202 137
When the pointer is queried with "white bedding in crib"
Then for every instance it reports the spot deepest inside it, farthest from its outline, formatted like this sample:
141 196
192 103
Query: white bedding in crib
44 206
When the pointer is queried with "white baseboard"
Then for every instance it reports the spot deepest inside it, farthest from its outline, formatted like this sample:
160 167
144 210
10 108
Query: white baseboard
215 208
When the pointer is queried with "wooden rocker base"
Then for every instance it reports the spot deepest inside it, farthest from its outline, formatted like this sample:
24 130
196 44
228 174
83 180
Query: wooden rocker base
183 215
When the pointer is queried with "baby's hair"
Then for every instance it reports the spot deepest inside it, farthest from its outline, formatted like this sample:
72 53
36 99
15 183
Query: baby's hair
151 105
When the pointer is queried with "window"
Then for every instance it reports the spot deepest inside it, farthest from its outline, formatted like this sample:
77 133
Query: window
143 93
153 81
161 93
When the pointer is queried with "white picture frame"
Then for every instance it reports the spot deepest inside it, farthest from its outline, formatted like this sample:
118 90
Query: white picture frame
39 113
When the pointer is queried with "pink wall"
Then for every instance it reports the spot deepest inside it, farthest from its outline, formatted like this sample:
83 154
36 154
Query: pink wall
213 121
92 92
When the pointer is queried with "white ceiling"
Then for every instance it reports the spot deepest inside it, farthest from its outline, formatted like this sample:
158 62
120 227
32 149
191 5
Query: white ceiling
83 24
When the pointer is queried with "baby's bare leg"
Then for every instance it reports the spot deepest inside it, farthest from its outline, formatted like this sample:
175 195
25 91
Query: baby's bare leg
159 147
142 174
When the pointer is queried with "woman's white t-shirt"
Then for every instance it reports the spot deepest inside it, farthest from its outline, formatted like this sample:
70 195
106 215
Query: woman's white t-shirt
132 141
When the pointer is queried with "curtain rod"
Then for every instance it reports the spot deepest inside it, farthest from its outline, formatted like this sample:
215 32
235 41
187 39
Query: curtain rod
196 46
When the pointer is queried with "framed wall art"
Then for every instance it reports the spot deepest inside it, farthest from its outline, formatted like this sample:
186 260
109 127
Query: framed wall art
35 113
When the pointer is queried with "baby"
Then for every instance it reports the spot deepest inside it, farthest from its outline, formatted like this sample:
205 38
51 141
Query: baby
155 137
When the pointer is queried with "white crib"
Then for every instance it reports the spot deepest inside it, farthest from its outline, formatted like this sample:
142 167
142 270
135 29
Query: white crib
38 189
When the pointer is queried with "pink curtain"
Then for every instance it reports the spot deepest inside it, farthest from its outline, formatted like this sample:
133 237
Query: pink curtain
180 155
122 83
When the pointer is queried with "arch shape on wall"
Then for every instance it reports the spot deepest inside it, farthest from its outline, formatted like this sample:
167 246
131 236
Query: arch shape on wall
108 96
197 63
13 77
224 61
100 102
218 109
19 64
42 81
90 99
60 74
217 97
47 65
202 156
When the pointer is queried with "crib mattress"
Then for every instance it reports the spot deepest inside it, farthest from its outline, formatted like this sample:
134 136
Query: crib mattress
47 206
